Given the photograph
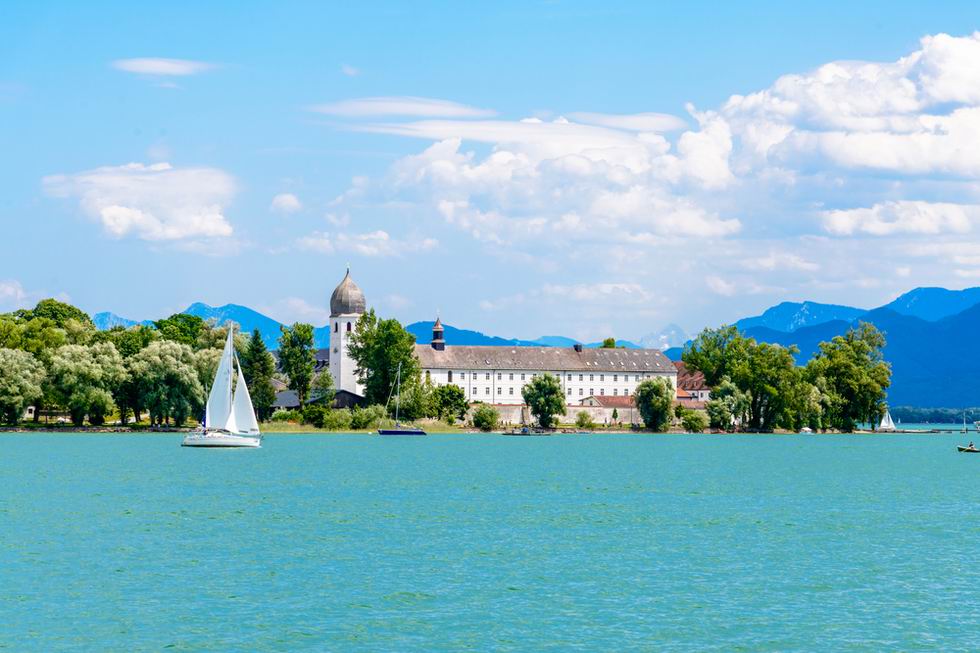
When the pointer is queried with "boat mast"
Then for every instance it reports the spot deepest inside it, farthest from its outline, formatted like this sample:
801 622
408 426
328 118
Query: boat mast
398 397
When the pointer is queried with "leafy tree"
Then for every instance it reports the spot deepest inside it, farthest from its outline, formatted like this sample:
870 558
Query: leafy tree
728 407
765 372
716 353
694 421
60 313
367 418
583 420
608 343
21 376
84 379
654 399
545 399
449 402
416 401
206 363
615 415
168 381
182 328
322 388
259 367
128 343
377 347
485 417
297 358
852 370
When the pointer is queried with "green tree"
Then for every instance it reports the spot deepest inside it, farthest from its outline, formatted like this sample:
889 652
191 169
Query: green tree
728 407
615 415
168 381
368 418
716 353
854 375
485 417
608 343
259 367
297 358
377 348
60 313
450 402
84 379
545 399
21 376
322 388
765 372
654 399
694 421
181 327
583 420
128 343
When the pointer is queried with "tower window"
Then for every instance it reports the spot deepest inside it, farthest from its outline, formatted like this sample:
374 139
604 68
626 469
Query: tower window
336 327
348 327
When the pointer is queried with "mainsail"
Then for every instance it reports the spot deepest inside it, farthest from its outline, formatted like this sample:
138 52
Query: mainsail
242 411
219 408
886 423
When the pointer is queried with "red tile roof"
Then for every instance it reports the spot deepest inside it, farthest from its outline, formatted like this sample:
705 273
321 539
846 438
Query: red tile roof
688 380
607 401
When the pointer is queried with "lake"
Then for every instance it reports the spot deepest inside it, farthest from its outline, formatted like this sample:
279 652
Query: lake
489 543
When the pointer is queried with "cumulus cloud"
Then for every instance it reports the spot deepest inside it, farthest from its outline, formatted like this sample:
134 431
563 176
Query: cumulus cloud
12 294
162 67
290 310
285 203
905 217
151 202
401 106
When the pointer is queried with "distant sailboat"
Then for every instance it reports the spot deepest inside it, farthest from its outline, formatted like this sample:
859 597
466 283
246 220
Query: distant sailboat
886 423
229 419
399 429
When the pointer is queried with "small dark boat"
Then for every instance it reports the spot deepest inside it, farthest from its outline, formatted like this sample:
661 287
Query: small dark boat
402 430
968 449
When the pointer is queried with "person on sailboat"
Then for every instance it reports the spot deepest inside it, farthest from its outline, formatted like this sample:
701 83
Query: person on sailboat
970 446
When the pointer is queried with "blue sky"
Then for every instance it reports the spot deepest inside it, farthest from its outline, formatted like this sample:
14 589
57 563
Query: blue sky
523 168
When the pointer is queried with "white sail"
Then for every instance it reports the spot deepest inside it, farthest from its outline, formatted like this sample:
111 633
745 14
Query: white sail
219 410
242 411
886 423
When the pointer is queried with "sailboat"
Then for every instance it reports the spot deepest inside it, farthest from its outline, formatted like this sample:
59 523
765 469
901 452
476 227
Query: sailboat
887 424
399 429
229 419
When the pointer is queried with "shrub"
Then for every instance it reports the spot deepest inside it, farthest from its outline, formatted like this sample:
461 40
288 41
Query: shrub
694 421
282 415
485 417
336 420
367 418
583 420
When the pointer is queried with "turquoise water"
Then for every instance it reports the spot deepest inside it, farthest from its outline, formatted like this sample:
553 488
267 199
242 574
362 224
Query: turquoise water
489 543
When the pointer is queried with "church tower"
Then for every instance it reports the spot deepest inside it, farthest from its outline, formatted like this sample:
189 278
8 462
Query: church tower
346 307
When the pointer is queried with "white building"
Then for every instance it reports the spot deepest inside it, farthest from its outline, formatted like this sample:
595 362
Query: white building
496 375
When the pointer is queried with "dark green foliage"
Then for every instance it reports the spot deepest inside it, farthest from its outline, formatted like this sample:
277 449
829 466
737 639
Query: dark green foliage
297 358
259 366
654 399
60 313
368 418
715 353
694 421
583 420
377 347
608 343
449 403
545 399
182 328
485 417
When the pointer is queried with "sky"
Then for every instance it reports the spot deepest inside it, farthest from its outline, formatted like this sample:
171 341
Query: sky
520 168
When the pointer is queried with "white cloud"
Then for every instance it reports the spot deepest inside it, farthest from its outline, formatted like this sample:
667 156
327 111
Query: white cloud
641 122
780 261
349 70
290 310
12 294
286 203
375 243
720 286
151 202
162 67
400 106
908 217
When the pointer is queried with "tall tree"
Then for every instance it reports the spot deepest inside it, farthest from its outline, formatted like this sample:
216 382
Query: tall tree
377 347
545 399
449 402
297 358
654 399
852 370
259 366
60 313
182 328
715 353
766 373
84 379
168 381
21 375
608 343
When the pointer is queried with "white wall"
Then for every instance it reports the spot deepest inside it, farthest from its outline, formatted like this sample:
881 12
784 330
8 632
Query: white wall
504 386
341 364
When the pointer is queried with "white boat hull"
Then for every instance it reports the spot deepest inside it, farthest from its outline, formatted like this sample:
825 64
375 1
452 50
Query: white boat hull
221 440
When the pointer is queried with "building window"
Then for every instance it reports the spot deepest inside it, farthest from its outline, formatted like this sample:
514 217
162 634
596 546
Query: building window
348 327
580 377
488 376
569 392
499 376
569 377
602 377
510 391
510 376
488 391
602 392
522 377
626 392
462 376
580 391
474 389
428 377
500 390
592 377
615 378
636 378
450 375
591 392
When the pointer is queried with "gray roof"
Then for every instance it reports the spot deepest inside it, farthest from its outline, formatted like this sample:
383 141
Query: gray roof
455 357
347 298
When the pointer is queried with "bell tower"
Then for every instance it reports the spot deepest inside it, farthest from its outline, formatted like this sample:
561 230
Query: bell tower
347 305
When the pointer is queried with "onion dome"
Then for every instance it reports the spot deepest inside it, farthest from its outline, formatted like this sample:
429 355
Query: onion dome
347 298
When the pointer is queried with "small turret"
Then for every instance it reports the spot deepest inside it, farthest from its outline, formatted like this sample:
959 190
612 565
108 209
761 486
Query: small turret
438 339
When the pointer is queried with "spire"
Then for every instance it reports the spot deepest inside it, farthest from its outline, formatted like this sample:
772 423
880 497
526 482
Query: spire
438 343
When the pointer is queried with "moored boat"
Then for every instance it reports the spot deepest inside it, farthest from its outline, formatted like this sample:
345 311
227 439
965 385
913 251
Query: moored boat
967 449
229 419
398 429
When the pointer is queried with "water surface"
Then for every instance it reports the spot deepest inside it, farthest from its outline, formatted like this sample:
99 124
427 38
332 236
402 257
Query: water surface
490 543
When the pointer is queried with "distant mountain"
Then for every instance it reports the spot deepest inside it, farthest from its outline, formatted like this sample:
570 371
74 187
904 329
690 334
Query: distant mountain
934 363
106 320
934 303
790 316
670 336
423 336
245 317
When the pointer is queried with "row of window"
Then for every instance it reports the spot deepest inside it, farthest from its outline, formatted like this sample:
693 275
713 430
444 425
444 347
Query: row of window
336 327
523 375
581 391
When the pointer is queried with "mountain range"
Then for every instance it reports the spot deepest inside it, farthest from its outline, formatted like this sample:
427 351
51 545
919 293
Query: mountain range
931 334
